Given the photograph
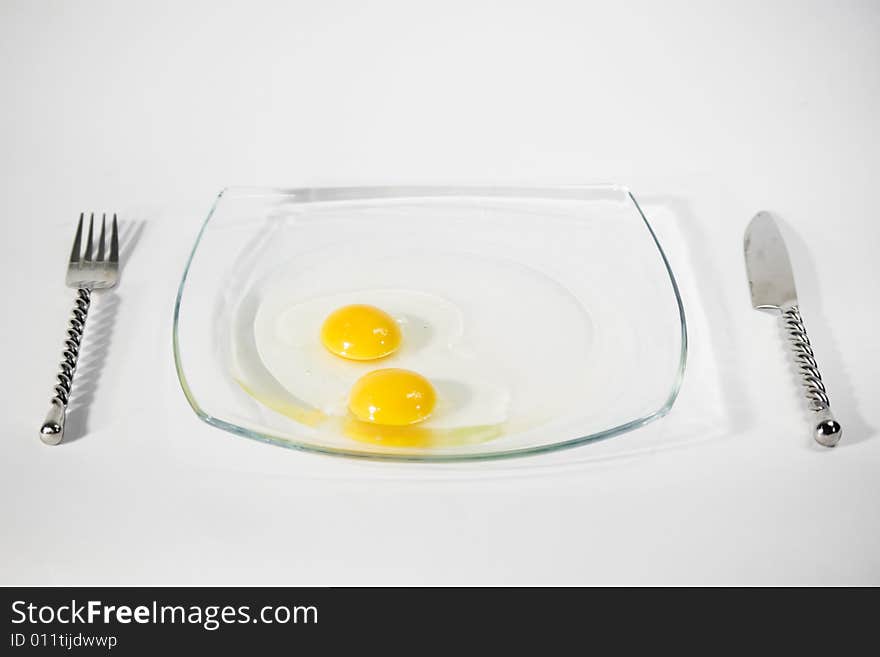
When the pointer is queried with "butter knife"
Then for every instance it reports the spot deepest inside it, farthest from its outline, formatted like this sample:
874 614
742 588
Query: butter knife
771 283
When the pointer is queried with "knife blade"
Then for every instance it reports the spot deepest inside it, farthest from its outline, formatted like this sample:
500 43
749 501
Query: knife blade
771 284
771 280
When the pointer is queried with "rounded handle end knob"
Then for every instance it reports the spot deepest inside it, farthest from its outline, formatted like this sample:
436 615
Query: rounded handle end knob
828 432
52 431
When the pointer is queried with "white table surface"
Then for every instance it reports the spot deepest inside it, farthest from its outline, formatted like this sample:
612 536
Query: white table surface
708 111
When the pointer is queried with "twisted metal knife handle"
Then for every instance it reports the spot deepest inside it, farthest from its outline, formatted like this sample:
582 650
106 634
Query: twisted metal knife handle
52 431
827 429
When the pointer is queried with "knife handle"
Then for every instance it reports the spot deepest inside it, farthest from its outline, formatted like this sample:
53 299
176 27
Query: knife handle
827 430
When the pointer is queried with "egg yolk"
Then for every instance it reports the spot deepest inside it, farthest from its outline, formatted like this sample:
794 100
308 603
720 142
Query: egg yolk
392 397
360 332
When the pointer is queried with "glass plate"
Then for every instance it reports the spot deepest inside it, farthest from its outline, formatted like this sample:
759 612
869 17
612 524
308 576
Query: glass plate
562 299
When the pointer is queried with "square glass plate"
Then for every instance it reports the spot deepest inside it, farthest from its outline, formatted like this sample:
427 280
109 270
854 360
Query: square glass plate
567 323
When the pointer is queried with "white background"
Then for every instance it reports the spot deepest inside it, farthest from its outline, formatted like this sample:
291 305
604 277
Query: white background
710 111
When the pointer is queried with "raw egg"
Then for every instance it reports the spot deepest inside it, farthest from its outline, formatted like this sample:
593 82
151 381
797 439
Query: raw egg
360 332
304 379
392 397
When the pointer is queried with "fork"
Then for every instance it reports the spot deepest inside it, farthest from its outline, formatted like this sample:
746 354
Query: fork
85 274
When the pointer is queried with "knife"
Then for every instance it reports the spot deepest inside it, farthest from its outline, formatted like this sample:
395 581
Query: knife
771 283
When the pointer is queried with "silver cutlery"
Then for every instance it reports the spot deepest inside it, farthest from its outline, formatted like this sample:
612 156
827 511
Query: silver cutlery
771 283
85 273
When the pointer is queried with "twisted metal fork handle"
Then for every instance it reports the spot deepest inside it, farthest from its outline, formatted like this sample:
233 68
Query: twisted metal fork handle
827 430
52 431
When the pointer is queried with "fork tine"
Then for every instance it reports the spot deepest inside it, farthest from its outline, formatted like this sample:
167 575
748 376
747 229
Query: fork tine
88 255
114 243
77 241
100 256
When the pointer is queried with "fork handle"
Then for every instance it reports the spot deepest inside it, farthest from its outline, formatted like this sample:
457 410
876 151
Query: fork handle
827 430
52 431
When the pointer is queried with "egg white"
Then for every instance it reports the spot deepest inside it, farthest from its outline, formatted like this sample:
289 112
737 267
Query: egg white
287 339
